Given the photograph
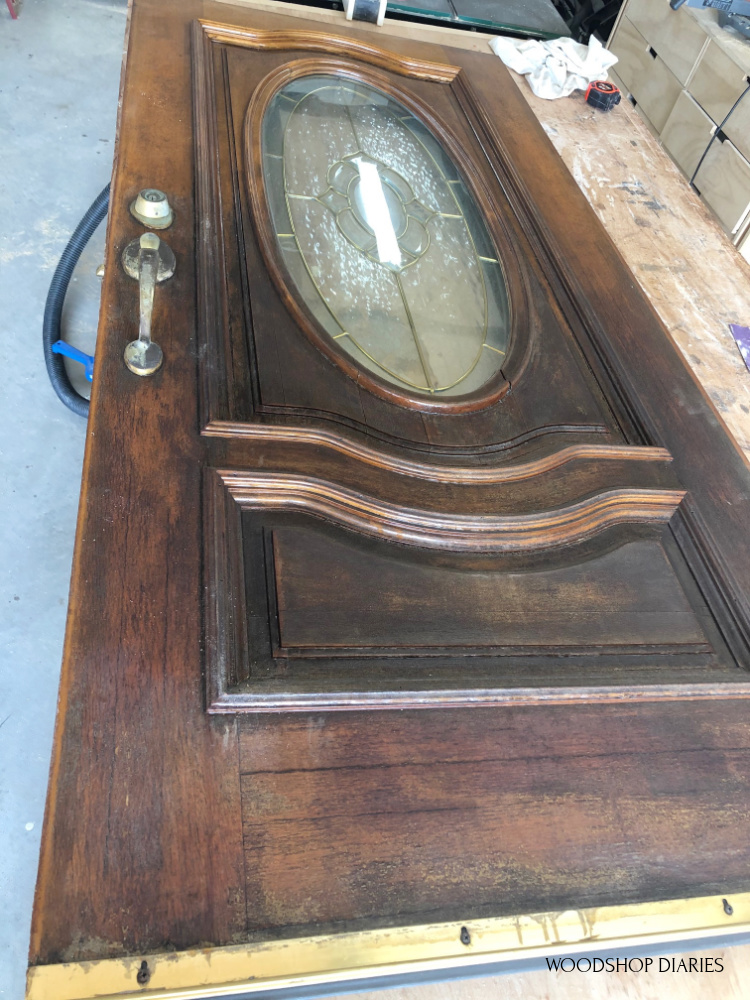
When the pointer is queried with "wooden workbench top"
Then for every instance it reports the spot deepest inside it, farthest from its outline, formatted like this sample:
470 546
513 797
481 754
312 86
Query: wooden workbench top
696 279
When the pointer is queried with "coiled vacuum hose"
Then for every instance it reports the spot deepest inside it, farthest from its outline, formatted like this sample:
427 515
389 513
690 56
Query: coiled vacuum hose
54 305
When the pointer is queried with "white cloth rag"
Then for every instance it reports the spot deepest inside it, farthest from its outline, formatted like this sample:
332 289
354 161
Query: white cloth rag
558 67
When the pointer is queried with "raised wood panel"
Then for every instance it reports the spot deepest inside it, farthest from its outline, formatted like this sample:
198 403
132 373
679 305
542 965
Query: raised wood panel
625 598
318 596
677 38
646 76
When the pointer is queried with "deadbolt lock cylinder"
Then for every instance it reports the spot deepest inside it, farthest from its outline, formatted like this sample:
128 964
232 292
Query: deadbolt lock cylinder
152 209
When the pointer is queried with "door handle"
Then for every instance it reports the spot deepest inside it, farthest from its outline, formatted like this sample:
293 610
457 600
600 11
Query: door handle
149 261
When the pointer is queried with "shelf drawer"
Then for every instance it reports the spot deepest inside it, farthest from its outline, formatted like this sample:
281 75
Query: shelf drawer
717 83
687 133
645 75
724 183
677 37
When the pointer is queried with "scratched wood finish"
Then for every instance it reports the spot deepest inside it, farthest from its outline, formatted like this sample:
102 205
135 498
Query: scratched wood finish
381 593
491 812
170 828
697 281
142 801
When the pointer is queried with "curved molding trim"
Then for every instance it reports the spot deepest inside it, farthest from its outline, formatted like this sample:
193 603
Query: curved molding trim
436 473
318 41
458 532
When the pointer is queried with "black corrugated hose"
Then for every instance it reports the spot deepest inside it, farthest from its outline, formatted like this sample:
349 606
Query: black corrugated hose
54 305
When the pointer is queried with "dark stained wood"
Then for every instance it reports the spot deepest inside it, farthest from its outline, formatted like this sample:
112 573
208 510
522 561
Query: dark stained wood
317 866
667 403
542 472
293 379
495 813
168 826
551 361
319 741
135 784
513 602
628 597
332 620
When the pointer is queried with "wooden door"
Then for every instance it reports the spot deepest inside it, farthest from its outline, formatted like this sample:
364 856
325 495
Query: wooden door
418 444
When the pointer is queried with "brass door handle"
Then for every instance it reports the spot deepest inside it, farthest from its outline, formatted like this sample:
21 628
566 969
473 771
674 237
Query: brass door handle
149 261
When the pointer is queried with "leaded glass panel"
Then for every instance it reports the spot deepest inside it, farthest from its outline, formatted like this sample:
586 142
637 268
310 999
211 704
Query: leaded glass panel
382 238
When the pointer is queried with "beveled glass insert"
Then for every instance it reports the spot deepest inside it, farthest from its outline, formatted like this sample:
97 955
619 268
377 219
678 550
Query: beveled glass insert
382 238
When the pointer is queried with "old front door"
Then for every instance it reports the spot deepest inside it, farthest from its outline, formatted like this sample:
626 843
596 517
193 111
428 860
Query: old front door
418 445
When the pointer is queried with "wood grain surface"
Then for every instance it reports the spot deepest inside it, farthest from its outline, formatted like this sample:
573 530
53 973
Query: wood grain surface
170 828
493 810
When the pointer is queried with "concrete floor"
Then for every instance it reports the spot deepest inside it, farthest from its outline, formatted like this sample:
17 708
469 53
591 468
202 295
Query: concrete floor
59 78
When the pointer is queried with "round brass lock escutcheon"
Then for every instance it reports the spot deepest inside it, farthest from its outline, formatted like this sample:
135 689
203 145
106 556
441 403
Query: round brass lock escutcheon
152 208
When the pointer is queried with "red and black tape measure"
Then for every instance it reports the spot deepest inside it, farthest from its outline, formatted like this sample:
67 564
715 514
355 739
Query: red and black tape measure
602 95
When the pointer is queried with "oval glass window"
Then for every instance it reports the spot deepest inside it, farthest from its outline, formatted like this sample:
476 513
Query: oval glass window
382 238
